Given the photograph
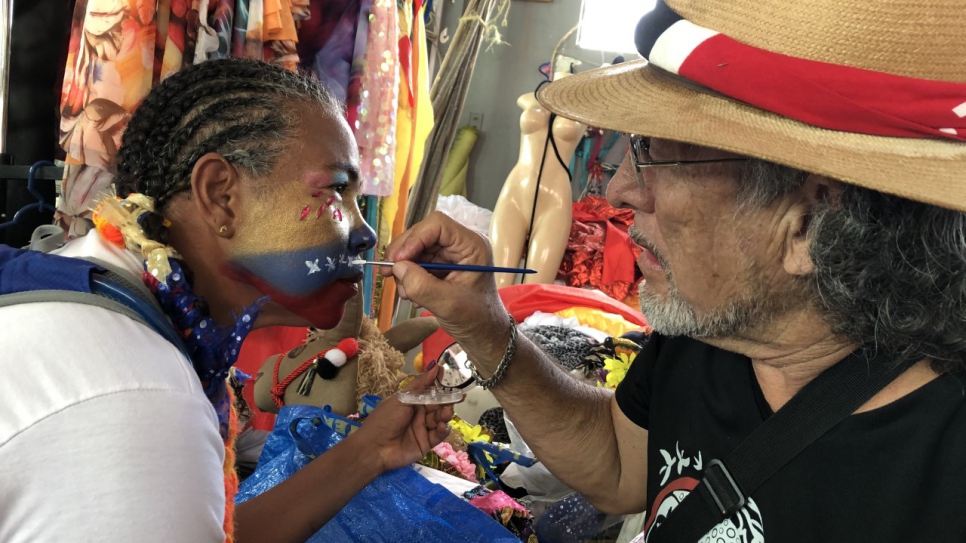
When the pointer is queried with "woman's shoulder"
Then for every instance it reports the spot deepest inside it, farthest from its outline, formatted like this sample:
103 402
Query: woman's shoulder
58 355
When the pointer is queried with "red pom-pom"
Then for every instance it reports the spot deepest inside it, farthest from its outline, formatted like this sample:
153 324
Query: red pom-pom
349 346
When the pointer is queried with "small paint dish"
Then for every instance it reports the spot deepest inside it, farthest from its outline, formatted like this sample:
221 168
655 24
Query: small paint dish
431 396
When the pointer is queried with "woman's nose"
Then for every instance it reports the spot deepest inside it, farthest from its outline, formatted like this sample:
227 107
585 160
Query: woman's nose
362 238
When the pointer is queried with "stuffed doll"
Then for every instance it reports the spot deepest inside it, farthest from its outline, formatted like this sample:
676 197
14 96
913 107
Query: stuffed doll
338 367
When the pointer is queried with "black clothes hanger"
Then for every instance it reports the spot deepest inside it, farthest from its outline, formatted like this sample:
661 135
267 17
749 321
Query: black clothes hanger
40 205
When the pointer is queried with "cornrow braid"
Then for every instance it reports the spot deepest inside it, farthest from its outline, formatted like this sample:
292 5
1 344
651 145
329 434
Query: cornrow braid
236 107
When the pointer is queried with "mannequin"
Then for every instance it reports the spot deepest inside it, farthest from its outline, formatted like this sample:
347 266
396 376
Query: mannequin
511 216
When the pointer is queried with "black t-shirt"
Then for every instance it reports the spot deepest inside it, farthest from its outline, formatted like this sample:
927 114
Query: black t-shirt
893 474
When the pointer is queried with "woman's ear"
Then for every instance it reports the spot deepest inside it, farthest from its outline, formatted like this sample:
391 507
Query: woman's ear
215 188
817 190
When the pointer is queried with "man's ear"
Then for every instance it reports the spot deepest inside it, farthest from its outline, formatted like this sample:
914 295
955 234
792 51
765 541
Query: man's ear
215 188
817 190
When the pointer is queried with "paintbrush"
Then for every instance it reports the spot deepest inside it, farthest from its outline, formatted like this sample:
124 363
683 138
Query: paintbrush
438 266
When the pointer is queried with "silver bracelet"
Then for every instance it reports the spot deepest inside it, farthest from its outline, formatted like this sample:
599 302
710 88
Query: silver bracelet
500 372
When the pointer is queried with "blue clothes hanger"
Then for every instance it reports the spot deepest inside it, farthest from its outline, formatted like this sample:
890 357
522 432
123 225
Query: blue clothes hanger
41 204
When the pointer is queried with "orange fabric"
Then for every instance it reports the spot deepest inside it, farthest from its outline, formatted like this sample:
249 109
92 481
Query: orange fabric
231 476
414 122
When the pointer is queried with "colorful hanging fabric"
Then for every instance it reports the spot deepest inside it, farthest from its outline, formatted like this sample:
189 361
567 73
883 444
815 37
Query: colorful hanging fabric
327 42
215 29
119 49
105 78
375 126
414 122
280 33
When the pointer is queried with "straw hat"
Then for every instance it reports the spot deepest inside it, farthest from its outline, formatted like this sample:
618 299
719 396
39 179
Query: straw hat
893 47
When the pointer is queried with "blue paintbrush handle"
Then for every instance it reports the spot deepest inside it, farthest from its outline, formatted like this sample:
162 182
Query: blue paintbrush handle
467 267
438 266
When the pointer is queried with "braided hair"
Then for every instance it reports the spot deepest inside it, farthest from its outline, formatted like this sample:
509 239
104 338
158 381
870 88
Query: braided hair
236 107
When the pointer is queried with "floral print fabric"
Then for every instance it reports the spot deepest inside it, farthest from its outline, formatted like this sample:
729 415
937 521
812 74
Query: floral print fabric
119 49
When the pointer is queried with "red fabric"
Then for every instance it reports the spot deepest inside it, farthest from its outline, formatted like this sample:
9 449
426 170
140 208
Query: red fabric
405 71
260 345
829 95
525 300
613 270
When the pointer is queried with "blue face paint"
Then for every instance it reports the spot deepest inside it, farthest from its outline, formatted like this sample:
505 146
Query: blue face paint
302 272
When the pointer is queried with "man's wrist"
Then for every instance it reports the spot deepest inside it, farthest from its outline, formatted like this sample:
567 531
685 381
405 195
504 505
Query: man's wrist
497 372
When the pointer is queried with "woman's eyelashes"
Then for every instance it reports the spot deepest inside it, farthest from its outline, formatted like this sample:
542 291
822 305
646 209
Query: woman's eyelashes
338 188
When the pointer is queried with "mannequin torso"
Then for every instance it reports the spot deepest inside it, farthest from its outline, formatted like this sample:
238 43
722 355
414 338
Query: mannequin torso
552 217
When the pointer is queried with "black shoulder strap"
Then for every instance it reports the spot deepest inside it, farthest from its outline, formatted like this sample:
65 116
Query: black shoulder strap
819 406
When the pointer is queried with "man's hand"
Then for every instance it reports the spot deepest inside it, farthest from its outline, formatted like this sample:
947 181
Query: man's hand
403 434
465 303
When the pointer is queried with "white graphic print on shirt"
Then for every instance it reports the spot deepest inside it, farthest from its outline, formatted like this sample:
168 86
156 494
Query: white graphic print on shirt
745 527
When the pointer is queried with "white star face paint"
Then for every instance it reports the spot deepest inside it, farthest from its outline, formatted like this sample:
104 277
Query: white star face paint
313 266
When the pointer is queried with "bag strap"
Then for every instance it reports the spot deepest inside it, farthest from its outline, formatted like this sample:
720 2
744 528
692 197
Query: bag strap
816 409
112 291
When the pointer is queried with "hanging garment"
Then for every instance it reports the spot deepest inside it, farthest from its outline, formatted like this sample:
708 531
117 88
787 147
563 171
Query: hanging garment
119 49
375 126
414 122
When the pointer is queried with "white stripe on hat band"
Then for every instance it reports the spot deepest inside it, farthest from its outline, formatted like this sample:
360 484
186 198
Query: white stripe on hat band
960 110
676 43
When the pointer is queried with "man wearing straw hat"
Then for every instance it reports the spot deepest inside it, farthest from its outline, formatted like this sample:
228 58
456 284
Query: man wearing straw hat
799 184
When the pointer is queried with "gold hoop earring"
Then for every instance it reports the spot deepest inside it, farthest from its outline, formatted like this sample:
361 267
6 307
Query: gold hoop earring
223 229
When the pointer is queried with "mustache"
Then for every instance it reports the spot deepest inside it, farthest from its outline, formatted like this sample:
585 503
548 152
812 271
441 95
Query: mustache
638 238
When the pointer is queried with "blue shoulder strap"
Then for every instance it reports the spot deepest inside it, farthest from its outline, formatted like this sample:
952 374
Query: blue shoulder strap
25 271
30 277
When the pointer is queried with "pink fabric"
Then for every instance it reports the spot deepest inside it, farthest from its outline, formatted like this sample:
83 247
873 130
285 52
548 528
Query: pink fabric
495 501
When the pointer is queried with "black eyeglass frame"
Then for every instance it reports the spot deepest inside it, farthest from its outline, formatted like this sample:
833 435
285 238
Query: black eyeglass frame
641 146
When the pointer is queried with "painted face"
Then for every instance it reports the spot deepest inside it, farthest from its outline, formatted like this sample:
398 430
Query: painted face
299 235
708 270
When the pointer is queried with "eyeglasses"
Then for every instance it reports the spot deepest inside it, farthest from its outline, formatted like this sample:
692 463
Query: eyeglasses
640 152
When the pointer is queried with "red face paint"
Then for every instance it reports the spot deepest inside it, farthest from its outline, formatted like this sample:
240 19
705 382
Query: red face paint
305 212
323 308
337 214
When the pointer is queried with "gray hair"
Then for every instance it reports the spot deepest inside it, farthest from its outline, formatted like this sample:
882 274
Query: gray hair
890 272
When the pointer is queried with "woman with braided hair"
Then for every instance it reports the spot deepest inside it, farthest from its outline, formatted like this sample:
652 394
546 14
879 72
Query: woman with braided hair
236 184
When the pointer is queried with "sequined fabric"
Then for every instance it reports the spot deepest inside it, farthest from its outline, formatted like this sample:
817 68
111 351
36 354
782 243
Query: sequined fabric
375 124
213 347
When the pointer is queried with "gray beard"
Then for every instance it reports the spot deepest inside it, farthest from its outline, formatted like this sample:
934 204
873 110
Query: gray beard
672 315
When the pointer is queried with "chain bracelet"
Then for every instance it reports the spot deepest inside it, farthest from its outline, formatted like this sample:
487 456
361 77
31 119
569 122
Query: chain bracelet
500 372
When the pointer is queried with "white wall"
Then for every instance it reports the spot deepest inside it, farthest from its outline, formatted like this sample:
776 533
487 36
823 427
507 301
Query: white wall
504 73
